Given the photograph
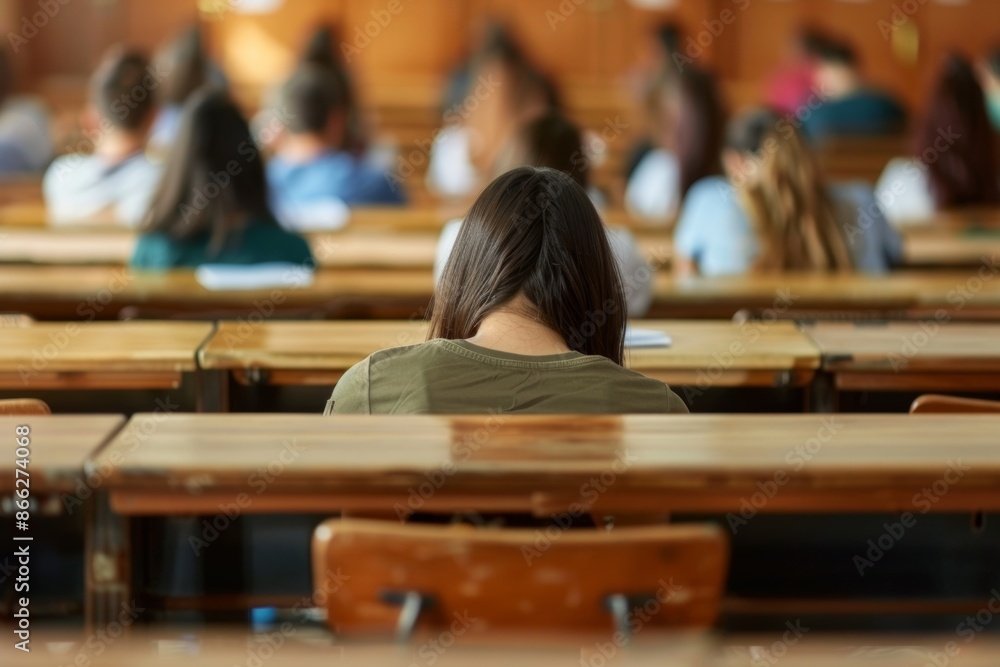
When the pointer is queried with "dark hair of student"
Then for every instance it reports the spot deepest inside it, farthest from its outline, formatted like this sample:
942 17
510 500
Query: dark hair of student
185 65
534 231
123 90
787 202
700 126
993 62
321 51
531 84
550 140
213 181
813 41
837 52
309 97
962 168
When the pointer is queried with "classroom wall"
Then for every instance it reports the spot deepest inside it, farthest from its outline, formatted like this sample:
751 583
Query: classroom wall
590 45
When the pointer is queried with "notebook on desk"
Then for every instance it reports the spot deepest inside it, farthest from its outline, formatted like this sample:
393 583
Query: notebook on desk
228 277
636 337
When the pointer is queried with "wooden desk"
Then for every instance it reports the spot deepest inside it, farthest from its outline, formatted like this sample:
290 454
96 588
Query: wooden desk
703 353
192 464
99 355
63 292
909 356
60 445
943 245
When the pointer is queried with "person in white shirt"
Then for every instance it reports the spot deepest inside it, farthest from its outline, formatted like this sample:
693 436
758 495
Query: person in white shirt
552 141
115 182
25 143
955 162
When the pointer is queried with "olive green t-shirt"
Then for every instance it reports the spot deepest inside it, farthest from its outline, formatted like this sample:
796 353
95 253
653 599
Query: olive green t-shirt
457 377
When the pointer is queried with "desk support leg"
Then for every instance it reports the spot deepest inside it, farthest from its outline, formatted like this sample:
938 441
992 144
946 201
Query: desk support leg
213 391
108 561
822 393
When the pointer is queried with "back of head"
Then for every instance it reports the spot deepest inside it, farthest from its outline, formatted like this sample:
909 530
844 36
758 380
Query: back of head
320 48
310 97
550 140
534 232
122 90
785 197
213 181
701 119
836 52
185 65
955 139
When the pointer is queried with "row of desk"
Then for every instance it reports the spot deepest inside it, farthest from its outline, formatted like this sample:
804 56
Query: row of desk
825 357
412 247
98 292
190 464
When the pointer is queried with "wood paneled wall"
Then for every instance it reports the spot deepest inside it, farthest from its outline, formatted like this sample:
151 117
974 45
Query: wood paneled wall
590 45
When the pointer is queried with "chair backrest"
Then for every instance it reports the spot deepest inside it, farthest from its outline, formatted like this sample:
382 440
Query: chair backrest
935 404
24 406
367 574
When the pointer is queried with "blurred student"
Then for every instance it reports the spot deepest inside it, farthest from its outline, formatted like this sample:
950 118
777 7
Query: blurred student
529 317
693 124
186 69
311 177
502 88
25 143
789 88
990 79
955 161
772 212
116 182
851 106
552 141
322 51
211 205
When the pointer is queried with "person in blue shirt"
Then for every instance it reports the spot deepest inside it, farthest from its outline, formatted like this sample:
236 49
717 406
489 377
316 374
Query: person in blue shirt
772 211
850 107
311 176
211 204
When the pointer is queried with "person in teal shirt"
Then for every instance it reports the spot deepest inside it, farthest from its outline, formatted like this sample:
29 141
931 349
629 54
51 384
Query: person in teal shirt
211 205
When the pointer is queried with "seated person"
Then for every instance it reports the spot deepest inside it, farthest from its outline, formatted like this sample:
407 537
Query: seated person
772 212
529 317
211 205
692 126
852 107
116 182
494 93
989 76
25 144
955 162
552 141
311 176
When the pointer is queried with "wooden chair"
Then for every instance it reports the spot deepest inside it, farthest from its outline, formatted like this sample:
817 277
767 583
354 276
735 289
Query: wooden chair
24 407
936 404
404 575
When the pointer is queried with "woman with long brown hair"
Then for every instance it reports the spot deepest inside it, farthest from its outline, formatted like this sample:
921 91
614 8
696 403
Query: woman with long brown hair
529 317
774 212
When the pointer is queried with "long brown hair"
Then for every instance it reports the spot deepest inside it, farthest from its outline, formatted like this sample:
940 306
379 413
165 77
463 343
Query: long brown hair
534 231
788 204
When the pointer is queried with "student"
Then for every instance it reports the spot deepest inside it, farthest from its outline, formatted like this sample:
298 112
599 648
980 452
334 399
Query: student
322 51
955 162
311 177
25 144
552 141
852 107
529 317
694 121
211 205
772 212
186 69
502 89
116 182
791 85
